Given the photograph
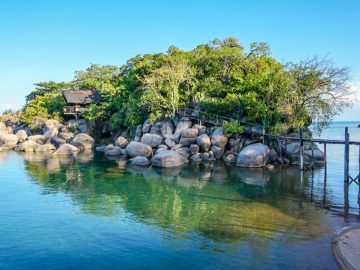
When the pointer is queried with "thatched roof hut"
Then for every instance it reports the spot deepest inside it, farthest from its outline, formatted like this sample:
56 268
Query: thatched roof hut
81 97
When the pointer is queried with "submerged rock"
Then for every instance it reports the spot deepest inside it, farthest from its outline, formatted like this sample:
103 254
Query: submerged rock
142 161
48 147
66 149
255 155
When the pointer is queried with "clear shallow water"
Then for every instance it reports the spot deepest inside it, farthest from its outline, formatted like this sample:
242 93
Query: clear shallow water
93 213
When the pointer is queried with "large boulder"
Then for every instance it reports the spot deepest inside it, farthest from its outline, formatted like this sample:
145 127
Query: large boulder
52 123
22 135
8 141
52 132
37 138
253 156
218 138
57 141
27 146
292 148
218 151
153 140
170 143
121 142
183 123
194 148
113 152
235 144
48 147
166 127
135 149
2 126
196 157
146 126
201 129
141 161
66 135
83 142
188 136
66 149
167 159
174 137
204 142
184 151
189 133
318 155
138 131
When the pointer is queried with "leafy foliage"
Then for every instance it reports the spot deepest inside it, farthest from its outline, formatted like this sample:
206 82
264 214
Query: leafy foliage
233 128
221 76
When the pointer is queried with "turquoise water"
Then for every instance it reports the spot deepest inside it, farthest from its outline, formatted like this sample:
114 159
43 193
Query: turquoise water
92 213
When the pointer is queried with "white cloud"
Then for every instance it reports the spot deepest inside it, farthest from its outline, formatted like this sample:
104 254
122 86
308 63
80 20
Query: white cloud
355 91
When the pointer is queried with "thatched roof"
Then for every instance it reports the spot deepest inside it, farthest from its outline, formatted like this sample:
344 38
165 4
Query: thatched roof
81 97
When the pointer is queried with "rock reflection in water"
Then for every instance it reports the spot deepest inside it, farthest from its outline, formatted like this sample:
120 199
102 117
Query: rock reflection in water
223 203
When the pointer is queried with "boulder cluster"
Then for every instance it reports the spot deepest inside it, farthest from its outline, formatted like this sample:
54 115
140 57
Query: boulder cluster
171 143
166 143
56 138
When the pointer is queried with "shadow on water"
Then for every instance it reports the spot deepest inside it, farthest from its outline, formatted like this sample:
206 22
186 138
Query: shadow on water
222 203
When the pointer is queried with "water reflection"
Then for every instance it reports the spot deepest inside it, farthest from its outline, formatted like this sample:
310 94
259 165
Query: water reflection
222 203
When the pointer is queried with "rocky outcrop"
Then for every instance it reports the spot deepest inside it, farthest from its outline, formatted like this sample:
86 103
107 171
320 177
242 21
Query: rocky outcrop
168 159
135 149
253 156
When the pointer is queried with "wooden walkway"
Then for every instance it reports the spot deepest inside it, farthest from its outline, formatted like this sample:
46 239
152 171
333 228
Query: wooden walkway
259 130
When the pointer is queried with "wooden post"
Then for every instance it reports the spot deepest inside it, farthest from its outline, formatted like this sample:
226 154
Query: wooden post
279 148
312 156
346 156
263 134
301 150
325 157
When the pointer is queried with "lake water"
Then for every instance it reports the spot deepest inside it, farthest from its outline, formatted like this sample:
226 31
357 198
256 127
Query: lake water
92 213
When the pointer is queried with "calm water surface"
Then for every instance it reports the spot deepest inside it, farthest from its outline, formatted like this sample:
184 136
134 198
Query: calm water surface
92 213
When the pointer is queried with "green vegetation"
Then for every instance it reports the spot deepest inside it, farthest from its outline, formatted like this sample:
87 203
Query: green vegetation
221 76
233 128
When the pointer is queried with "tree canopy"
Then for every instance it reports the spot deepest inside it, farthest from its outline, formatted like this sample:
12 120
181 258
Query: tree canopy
221 76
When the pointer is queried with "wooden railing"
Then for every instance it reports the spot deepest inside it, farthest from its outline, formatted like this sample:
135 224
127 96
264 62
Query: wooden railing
250 128
73 110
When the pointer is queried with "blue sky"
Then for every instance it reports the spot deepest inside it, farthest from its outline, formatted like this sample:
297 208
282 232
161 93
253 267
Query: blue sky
49 40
